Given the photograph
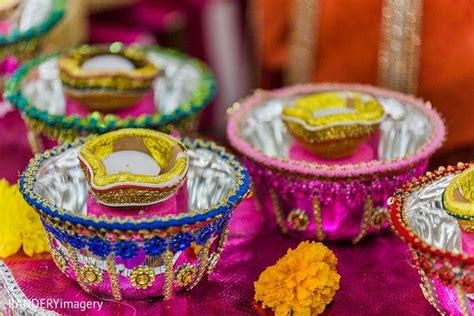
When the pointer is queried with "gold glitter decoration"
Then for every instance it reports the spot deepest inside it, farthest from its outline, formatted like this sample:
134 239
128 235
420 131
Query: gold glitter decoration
399 52
185 274
142 277
90 275
278 213
34 139
371 218
168 258
463 300
214 258
318 219
113 277
59 259
75 268
303 41
333 108
458 199
298 219
121 189
332 125
365 224
203 262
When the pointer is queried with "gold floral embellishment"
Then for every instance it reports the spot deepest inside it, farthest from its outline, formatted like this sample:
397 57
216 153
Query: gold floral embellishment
142 277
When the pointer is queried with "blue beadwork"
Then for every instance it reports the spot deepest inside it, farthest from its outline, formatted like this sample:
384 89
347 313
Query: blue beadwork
126 249
99 247
155 246
204 234
181 242
76 241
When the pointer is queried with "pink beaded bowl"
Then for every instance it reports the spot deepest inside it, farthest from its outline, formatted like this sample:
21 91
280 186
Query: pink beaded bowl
442 253
316 198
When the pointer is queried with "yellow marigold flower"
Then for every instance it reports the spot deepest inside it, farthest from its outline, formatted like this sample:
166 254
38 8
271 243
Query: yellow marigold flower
20 226
302 282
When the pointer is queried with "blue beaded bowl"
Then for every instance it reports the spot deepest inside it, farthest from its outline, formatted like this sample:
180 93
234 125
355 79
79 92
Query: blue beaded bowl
122 257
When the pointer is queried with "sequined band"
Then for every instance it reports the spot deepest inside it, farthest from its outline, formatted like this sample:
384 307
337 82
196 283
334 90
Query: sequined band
56 14
399 54
303 40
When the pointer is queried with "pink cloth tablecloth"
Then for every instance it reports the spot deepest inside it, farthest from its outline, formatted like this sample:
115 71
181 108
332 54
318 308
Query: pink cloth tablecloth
377 278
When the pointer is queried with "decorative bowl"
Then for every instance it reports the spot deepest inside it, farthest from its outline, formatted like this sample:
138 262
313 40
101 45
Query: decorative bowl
436 240
333 125
124 257
181 92
106 78
133 167
21 34
315 198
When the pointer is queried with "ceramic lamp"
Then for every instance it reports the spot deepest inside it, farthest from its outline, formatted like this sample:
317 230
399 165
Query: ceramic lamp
458 200
133 167
333 125
106 78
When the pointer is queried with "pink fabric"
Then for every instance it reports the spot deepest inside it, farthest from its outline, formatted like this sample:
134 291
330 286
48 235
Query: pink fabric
467 241
364 153
376 277
173 205
448 299
146 105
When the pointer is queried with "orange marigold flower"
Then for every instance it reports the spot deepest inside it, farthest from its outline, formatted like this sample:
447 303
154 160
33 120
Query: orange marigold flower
302 282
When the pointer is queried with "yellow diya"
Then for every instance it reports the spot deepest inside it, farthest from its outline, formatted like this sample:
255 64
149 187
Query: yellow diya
333 124
458 199
106 78
133 167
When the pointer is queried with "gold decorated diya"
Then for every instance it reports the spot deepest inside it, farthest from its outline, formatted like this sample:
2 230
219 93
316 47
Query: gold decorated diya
133 167
106 78
333 124
458 199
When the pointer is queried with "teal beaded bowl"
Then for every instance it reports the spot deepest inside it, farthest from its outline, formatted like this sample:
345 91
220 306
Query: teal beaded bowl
177 97
25 23
135 258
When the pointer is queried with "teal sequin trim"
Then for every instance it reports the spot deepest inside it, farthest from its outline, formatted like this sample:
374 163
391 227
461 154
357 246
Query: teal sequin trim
56 14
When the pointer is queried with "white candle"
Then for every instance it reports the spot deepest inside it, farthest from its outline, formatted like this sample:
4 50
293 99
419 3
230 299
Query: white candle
131 161
332 111
108 62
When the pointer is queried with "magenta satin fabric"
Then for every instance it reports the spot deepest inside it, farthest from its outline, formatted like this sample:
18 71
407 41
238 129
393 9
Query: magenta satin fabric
377 278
